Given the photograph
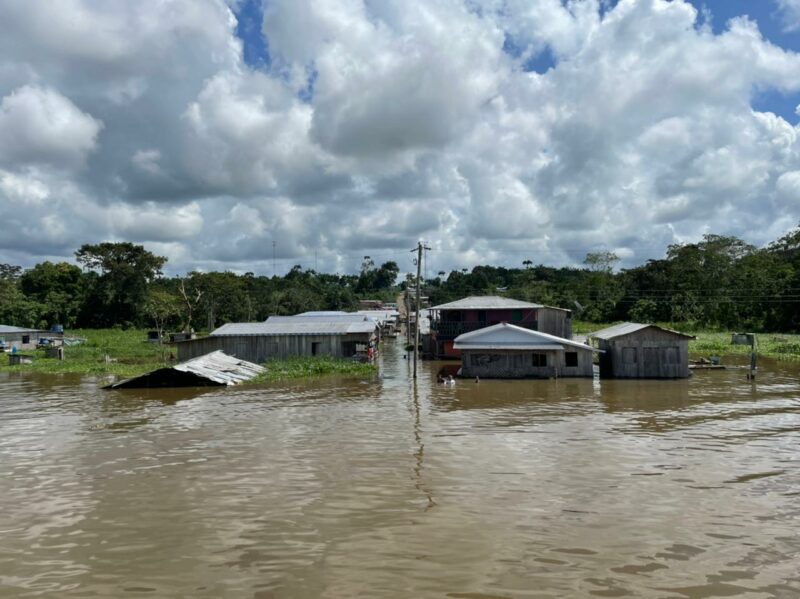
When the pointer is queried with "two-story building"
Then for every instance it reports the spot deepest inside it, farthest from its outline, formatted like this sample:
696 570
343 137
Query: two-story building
450 320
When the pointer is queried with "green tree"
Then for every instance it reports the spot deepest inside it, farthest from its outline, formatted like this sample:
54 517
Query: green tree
15 308
124 273
59 288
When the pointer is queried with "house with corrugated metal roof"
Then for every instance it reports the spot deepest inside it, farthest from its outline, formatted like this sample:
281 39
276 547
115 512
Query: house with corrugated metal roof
508 351
23 338
450 320
640 351
336 334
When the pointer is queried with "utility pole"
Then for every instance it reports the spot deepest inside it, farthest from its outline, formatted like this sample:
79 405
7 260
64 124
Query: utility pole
274 270
419 249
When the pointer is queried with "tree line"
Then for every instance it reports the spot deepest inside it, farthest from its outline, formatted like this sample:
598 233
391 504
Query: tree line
122 284
718 282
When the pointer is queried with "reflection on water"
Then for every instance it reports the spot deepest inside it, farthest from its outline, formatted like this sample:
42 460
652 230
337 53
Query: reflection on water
346 488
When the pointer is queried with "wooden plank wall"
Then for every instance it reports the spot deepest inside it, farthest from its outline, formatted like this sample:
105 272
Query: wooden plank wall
259 349
649 353
555 322
519 364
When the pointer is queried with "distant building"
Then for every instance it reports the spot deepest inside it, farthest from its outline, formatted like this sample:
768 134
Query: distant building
337 334
450 320
509 351
24 339
642 351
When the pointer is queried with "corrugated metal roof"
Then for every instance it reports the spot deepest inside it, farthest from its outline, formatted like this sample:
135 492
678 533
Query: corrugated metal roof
241 328
626 328
492 302
216 367
509 336
486 302
7 329
342 324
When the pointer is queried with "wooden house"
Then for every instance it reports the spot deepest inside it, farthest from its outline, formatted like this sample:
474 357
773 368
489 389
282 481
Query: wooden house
509 351
340 335
642 351
450 320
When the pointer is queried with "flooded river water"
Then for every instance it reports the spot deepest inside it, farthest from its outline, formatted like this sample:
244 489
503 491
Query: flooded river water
341 488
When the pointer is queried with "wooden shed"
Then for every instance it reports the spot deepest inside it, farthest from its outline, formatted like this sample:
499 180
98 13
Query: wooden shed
342 335
508 351
642 351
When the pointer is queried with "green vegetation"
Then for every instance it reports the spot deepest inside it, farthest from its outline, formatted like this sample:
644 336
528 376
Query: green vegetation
781 347
129 354
295 368
717 283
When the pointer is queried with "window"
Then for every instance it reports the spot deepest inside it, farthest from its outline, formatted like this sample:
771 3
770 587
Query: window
571 359
315 347
539 359
26 339
629 355
516 315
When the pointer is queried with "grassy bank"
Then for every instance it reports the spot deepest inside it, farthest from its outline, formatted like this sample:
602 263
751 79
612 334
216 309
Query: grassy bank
773 345
781 347
127 353
297 368
105 352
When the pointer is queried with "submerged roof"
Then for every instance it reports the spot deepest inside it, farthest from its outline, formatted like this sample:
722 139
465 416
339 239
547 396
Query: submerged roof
510 337
301 324
215 368
626 328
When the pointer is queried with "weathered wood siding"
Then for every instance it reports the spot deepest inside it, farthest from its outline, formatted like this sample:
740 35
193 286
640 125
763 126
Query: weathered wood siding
555 322
260 348
497 364
646 354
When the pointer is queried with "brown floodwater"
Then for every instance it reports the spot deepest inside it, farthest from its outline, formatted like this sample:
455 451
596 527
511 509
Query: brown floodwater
340 488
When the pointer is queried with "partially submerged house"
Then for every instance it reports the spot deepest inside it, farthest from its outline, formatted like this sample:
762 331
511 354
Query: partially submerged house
450 320
508 351
211 370
336 334
642 351
24 339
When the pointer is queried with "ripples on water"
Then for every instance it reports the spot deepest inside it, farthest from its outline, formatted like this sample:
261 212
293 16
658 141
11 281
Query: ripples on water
341 488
